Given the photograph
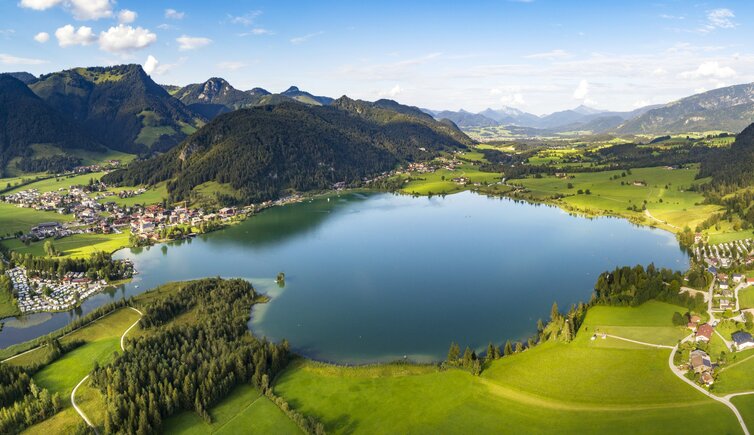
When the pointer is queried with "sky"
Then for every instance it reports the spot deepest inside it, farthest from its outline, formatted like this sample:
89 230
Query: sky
536 55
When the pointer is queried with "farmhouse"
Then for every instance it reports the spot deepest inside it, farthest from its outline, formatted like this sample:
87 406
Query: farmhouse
699 361
743 340
704 332
694 321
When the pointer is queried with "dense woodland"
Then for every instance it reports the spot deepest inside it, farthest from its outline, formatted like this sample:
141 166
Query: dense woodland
187 366
635 285
110 104
25 120
265 151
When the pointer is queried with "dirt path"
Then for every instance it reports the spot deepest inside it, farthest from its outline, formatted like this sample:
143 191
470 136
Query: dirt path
76 407
649 215
123 337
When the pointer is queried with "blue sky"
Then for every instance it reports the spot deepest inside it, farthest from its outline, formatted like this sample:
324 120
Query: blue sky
540 55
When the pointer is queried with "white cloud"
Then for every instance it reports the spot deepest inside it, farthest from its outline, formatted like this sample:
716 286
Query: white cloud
719 19
301 39
394 91
186 43
151 64
709 70
582 90
244 20
90 9
8 59
39 5
658 72
256 32
126 16
42 37
123 39
80 9
550 55
172 14
231 65
515 99
165 26
69 36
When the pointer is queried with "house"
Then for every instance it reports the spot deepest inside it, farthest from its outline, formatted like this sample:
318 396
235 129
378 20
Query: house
704 332
737 278
707 378
699 361
725 304
694 322
750 281
743 340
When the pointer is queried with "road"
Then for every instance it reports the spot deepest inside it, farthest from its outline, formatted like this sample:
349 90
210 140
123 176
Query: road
123 337
725 400
76 407
73 393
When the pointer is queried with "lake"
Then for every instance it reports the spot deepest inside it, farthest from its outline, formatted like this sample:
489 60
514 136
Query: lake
380 277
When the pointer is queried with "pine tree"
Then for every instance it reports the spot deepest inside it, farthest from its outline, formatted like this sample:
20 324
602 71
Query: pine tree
508 349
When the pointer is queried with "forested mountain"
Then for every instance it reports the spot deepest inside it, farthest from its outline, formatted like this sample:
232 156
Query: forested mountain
730 109
120 106
263 151
305 97
732 168
25 77
25 120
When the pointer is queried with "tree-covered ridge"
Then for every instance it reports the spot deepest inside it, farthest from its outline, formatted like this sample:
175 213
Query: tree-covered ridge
265 151
732 168
119 106
25 120
187 366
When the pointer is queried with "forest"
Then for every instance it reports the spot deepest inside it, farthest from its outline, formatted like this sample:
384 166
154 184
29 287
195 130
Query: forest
187 365
263 152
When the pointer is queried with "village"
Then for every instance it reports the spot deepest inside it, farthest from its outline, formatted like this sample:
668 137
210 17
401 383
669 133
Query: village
724 255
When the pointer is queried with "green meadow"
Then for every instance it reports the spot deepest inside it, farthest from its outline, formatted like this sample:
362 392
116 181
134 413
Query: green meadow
746 297
585 386
57 183
75 246
13 219
102 340
440 182
669 202
245 410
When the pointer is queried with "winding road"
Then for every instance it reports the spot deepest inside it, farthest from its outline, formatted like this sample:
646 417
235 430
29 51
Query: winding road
123 348
725 400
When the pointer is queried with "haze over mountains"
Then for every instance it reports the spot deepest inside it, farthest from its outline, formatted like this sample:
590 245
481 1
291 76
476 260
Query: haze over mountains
729 109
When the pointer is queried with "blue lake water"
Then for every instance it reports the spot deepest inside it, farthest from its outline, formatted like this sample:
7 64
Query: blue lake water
380 276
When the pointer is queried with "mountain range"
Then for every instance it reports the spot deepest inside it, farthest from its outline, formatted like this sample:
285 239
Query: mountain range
729 109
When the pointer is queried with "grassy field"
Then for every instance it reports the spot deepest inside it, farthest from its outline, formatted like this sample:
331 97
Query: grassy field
650 323
75 246
243 411
745 405
746 297
102 340
8 306
153 195
584 386
51 184
13 219
433 183
737 375
665 191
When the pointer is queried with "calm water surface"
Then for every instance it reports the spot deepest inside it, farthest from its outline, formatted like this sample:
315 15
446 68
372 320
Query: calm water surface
379 277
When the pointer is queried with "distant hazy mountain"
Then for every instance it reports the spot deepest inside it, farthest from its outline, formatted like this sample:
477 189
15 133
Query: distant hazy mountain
25 119
305 97
25 77
120 106
730 109
466 119
511 116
